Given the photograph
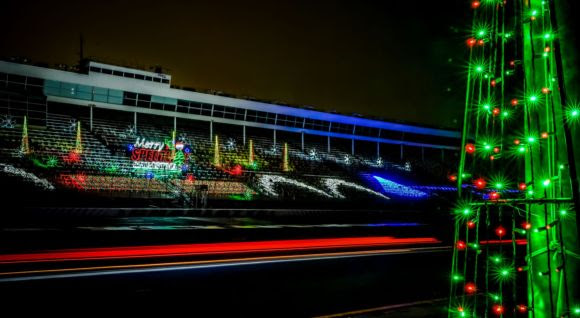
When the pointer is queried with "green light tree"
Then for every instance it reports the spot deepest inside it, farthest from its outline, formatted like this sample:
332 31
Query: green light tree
516 233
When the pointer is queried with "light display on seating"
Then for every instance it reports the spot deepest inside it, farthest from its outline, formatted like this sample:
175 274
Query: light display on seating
267 183
216 152
24 145
142 154
379 162
333 186
50 162
7 122
72 157
153 145
285 164
235 171
347 160
154 165
313 154
156 155
251 153
130 131
78 140
399 189
30 177
230 144
408 167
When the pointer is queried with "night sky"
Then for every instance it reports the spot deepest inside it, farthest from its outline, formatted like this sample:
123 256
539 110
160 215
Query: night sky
397 60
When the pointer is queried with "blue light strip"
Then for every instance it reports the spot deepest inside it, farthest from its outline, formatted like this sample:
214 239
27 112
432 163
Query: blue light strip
400 190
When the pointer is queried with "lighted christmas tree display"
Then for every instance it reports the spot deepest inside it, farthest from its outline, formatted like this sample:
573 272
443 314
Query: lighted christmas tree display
516 233
216 152
251 153
285 164
78 141
24 145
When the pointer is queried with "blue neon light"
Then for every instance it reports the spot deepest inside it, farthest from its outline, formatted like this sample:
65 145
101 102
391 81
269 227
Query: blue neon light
400 190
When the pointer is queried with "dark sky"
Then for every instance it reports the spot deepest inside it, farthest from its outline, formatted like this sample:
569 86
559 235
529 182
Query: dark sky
388 59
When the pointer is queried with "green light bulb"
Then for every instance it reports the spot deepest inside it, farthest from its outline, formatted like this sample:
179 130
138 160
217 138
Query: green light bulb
522 149
548 36
479 68
546 182
534 13
533 98
574 113
499 185
563 212
505 114
487 147
531 139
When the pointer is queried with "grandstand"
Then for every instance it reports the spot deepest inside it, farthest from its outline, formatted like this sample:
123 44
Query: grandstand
115 133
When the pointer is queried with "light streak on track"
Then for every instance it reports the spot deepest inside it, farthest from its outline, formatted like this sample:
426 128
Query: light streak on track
204 249
78 272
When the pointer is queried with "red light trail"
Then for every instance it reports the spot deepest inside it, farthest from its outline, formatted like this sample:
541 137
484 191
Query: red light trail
209 249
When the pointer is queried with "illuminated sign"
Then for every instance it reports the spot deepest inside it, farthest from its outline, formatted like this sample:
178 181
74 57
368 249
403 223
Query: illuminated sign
141 154
155 155
154 165
155 145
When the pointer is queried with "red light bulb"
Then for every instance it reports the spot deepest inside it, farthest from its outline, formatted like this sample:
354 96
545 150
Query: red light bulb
480 42
492 157
460 245
470 224
470 148
522 309
516 141
470 288
493 83
500 231
545 135
471 42
527 225
545 90
475 4
494 195
480 183
453 177
514 102
496 111
522 186
498 309
496 149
